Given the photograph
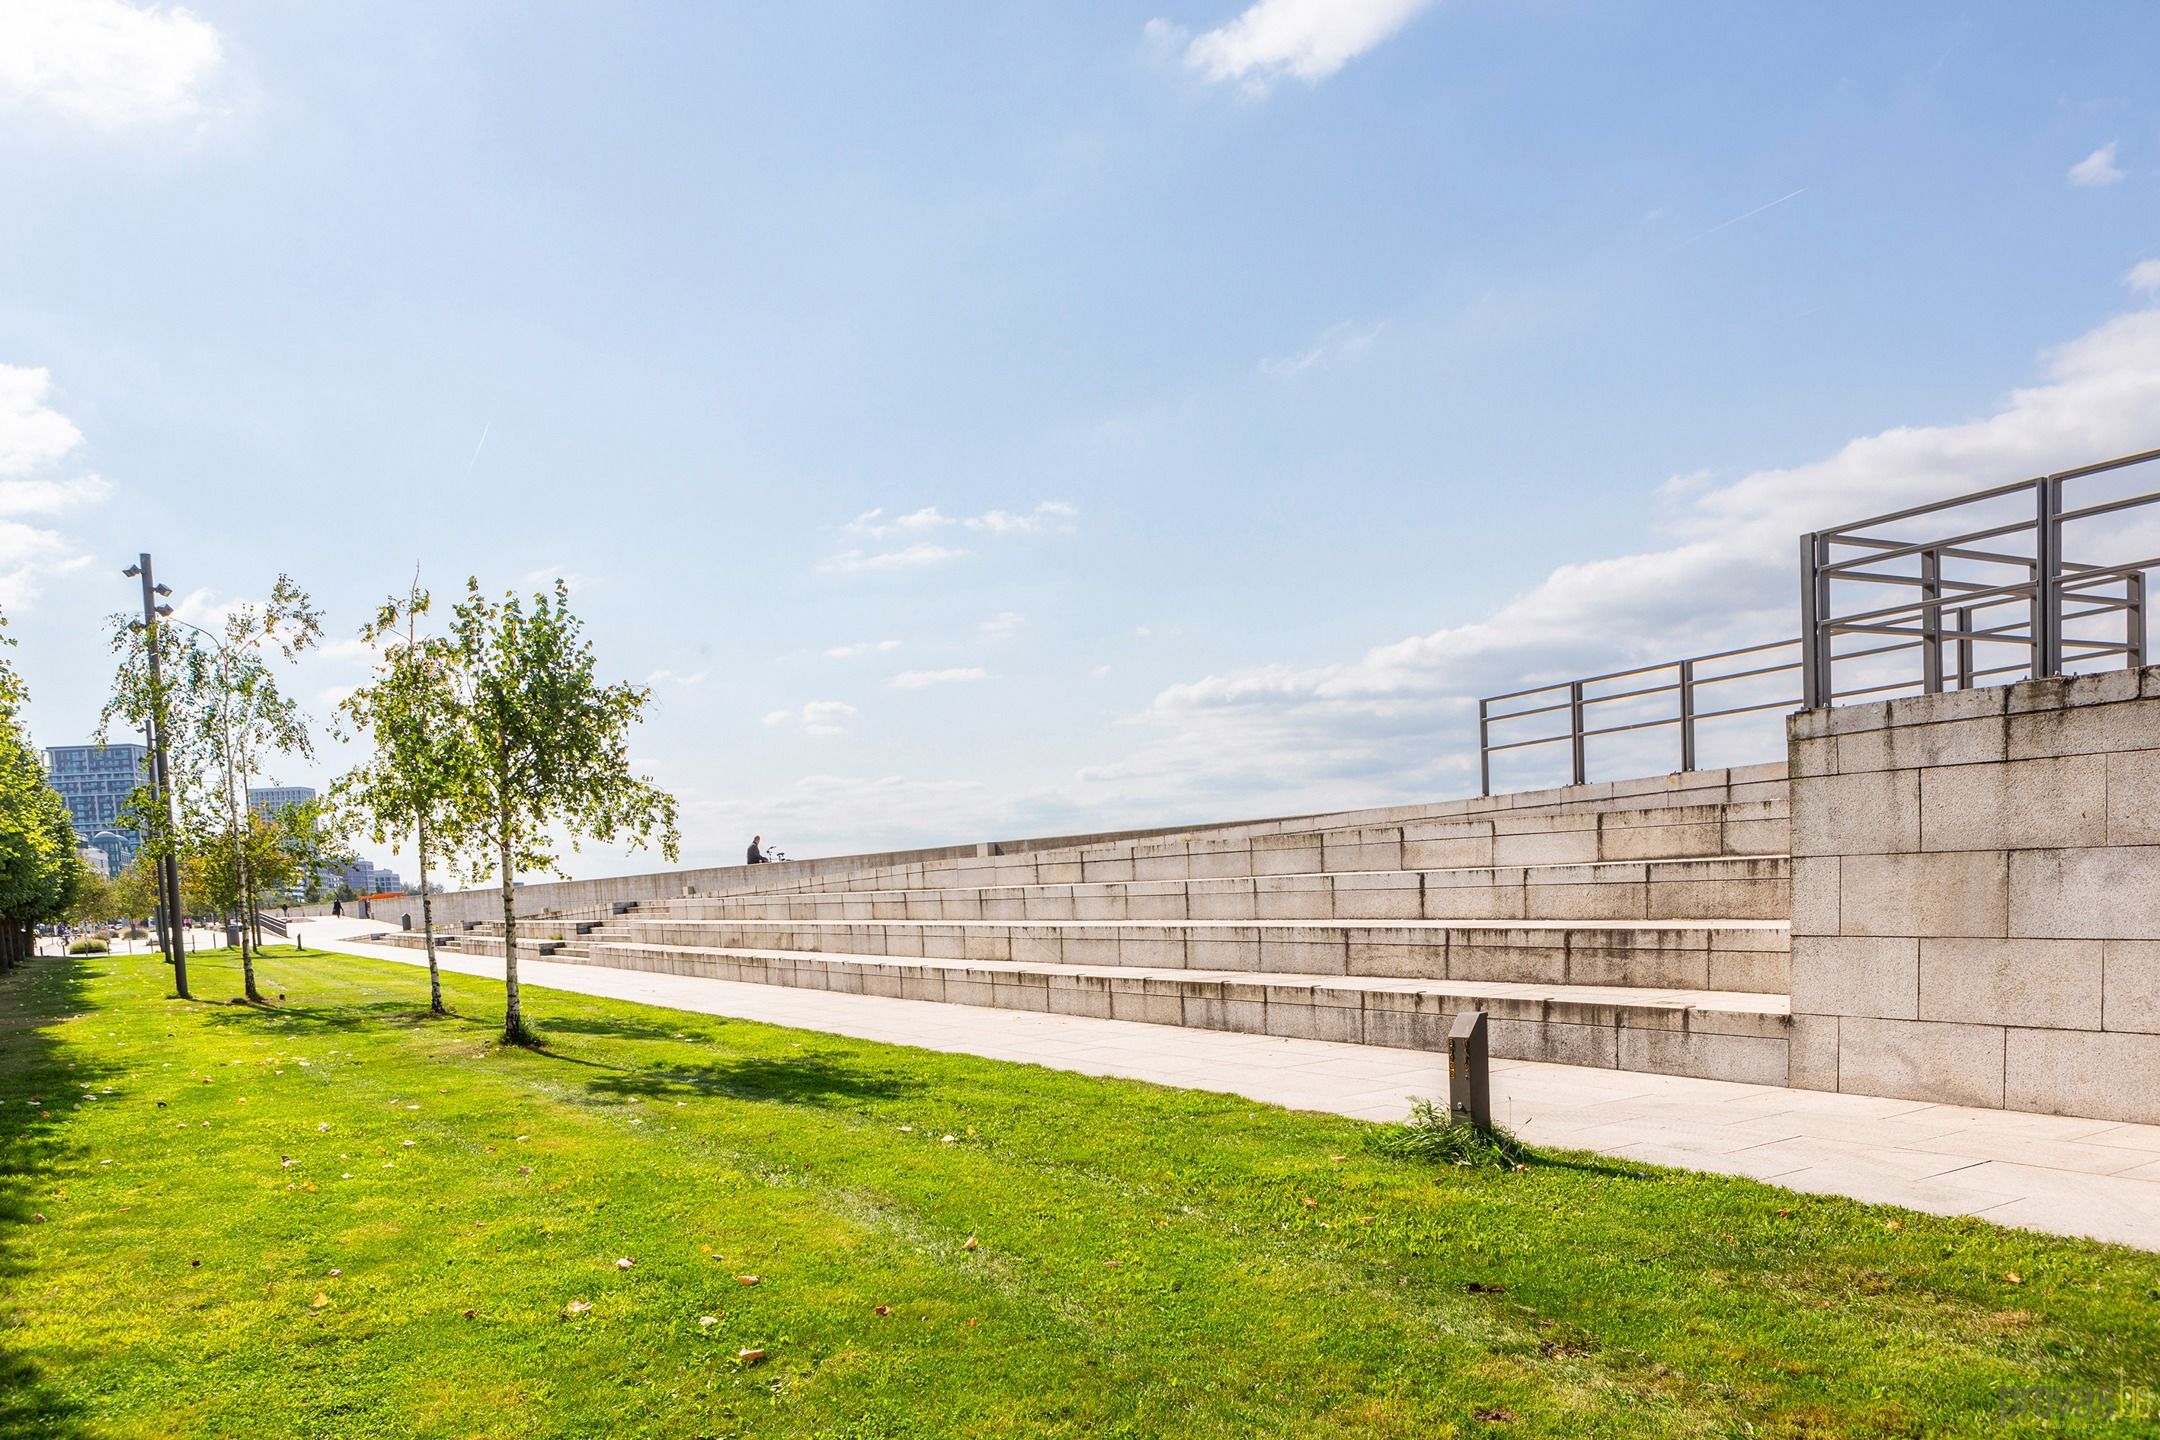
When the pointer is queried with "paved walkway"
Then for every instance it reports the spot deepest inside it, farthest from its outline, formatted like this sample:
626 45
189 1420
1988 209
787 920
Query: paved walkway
2093 1178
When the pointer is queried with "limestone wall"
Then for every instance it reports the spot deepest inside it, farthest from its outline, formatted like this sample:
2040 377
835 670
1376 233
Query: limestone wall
1976 897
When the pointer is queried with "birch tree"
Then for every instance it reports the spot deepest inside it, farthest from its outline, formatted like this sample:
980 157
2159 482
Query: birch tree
549 755
416 782
40 873
225 720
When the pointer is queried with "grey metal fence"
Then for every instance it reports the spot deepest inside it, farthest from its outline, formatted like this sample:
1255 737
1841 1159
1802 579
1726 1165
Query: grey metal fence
1997 598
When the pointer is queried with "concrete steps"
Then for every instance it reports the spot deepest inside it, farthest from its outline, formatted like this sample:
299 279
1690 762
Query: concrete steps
1696 888
1739 955
1676 1031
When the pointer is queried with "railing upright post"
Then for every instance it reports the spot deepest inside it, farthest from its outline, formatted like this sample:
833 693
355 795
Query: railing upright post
1687 715
1965 647
2047 584
1814 611
1484 747
1931 669
2134 618
1575 725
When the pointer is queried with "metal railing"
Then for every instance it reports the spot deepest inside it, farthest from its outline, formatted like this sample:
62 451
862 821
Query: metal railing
2009 553
2056 610
1683 680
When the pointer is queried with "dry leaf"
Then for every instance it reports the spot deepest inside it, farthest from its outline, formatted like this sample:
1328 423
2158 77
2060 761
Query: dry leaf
746 1279
320 1300
577 1307
882 1311
946 1140
625 1263
468 1314
971 1243
2014 1278
749 1357
1308 1202
708 1320
335 1273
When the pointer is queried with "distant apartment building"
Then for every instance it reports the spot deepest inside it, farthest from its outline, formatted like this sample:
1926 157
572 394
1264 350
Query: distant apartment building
96 861
368 878
269 799
95 781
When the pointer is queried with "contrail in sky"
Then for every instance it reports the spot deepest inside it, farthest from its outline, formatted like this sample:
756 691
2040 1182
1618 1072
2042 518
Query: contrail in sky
1738 218
477 448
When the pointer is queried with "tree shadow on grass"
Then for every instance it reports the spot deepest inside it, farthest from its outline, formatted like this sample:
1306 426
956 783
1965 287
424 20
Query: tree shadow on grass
35 998
803 1080
373 1015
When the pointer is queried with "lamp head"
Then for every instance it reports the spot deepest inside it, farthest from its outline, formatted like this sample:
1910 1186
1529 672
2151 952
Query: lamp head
164 609
132 571
162 589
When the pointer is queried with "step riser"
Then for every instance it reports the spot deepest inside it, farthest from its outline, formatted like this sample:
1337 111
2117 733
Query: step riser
1735 960
1679 832
1738 1046
1762 893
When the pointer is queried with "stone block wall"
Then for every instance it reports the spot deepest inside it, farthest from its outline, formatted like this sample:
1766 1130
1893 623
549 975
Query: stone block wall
1976 897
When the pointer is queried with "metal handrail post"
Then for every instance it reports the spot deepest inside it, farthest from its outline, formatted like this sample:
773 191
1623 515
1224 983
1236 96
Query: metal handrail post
1484 747
1687 715
1575 726
1931 672
2047 578
1811 615
2134 618
1965 647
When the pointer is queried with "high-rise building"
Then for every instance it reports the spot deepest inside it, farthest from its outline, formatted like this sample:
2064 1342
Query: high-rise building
95 781
269 799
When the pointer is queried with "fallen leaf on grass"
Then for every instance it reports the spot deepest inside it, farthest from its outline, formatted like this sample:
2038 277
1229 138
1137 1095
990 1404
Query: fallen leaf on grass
1479 1288
704 1320
1495 1415
335 1273
749 1357
970 1244
39 1217
625 1263
1308 1202
882 1311
2014 1278
577 1307
468 1314
746 1279
319 1301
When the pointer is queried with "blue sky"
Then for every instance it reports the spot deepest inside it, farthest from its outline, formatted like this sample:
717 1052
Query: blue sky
992 419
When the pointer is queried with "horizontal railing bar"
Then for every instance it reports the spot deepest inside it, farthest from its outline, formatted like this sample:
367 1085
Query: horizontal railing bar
1832 568
1985 557
1974 498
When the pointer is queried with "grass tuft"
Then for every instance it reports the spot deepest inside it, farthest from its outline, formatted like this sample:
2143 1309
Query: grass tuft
1433 1135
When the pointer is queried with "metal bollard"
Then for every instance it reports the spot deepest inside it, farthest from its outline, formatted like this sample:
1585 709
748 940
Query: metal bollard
1469 1084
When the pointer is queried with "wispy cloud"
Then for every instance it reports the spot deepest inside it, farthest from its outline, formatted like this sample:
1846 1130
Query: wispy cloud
1306 40
873 526
862 648
2144 277
923 679
817 717
1338 342
1005 625
670 677
886 562
2096 169
107 64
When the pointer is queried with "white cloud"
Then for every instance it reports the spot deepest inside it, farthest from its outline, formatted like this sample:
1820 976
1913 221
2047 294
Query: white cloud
2098 168
861 648
2144 277
1399 721
670 677
1307 39
923 679
1047 516
914 557
1337 342
34 438
818 717
106 63
1004 625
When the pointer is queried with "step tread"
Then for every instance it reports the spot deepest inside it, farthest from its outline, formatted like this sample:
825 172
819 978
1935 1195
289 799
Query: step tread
1367 923
1726 1001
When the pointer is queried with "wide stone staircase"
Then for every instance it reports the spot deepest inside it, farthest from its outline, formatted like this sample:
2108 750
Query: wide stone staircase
1639 925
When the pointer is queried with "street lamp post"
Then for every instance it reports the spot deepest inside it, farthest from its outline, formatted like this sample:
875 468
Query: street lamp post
168 865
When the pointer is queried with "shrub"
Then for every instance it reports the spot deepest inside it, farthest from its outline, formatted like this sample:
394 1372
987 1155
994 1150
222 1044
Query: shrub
1431 1133
89 945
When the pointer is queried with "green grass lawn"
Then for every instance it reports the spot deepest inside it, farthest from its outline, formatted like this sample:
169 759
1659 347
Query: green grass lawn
339 1217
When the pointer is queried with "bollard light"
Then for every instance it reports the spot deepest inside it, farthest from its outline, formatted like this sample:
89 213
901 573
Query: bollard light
1469 1084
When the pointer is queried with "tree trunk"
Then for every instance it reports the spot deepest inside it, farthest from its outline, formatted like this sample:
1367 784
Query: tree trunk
427 927
513 1014
247 951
